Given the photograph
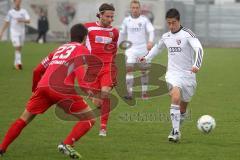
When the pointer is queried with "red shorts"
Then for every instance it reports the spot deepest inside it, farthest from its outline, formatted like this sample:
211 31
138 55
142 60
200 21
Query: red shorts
96 78
44 97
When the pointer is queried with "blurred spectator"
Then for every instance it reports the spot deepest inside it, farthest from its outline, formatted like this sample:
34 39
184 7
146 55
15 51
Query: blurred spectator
43 26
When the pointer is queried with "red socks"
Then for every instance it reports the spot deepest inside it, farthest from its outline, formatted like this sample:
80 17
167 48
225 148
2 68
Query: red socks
80 129
12 133
105 109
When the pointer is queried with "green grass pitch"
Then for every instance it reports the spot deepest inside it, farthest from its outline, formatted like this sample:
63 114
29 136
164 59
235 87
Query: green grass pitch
129 137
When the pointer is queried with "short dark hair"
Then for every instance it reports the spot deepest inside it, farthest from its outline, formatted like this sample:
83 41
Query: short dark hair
173 13
78 33
135 2
105 7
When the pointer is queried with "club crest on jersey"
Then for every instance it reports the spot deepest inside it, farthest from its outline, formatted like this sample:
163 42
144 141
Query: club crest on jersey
178 41
139 25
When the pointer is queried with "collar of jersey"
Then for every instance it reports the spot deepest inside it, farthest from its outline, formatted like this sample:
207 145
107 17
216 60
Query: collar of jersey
16 9
134 17
178 30
99 25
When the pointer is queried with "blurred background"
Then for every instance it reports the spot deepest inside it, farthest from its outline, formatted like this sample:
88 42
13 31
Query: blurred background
215 22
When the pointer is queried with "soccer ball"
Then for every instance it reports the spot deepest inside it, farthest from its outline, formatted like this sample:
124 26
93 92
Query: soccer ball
206 123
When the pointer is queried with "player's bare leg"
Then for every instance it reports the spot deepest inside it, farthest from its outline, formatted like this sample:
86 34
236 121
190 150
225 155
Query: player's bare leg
18 61
175 94
27 116
144 81
97 102
183 110
15 130
105 110
129 81
86 121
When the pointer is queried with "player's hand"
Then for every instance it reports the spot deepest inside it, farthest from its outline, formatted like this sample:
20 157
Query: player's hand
195 69
20 20
149 46
142 60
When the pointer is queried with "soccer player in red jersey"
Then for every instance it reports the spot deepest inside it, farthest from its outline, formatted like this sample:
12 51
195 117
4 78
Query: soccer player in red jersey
102 42
53 83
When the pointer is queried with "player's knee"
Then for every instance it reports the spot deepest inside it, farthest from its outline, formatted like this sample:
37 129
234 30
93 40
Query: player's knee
129 69
92 121
18 48
175 95
144 73
105 95
97 102
105 92
176 99
27 116
91 117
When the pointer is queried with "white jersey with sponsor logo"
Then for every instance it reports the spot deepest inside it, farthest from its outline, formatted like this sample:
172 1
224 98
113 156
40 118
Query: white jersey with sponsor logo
184 52
137 30
17 28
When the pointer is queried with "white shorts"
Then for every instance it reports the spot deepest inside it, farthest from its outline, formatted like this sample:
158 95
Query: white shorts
187 86
17 40
133 55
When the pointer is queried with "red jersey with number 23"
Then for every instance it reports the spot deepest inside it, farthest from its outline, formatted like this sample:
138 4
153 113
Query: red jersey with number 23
59 67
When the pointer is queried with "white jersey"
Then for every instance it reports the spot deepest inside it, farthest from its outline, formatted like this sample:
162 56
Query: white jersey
184 52
17 28
137 30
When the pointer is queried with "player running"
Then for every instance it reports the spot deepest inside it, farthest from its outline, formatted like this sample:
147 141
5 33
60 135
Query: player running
16 18
136 27
53 83
185 54
102 42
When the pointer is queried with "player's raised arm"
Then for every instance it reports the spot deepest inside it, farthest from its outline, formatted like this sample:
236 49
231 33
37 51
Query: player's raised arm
155 50
197 47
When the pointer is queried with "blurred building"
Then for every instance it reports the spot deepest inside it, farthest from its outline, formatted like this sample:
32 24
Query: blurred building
215 22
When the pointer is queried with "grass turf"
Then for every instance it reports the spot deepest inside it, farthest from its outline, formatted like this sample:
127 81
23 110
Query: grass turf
138 132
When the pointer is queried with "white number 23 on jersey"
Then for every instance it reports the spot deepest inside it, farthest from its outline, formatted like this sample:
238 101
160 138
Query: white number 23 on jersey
63 52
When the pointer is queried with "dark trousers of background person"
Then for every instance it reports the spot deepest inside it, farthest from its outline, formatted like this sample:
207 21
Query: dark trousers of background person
40 35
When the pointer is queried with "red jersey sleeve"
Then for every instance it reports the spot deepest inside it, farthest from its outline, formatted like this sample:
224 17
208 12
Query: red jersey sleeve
40 70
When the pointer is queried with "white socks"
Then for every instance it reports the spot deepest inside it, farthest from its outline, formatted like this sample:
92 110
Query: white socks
144 80
129 82
17 58
175 117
